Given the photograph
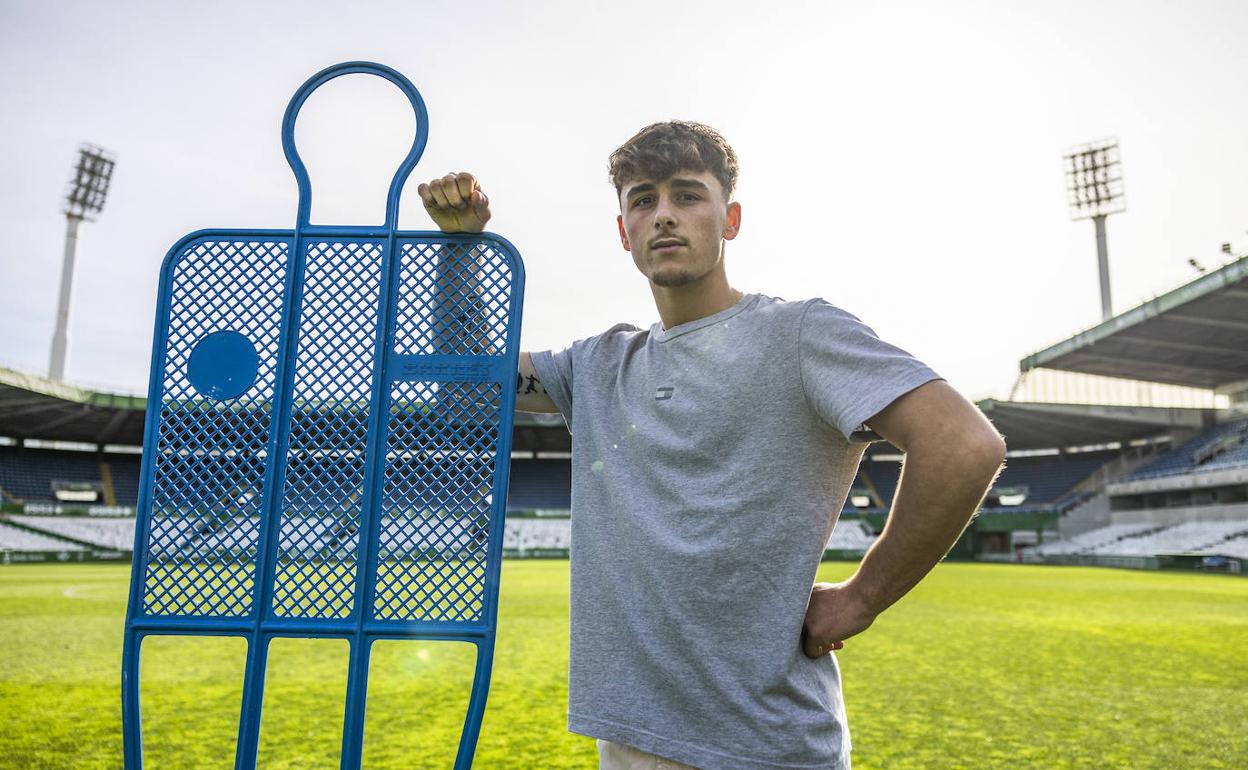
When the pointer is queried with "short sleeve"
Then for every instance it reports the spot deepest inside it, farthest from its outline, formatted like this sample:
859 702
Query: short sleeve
848 373
557 369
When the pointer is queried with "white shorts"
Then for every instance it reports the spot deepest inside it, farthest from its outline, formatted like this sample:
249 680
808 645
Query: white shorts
617 756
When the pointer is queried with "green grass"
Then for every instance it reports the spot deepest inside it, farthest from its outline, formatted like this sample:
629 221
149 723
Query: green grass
982 666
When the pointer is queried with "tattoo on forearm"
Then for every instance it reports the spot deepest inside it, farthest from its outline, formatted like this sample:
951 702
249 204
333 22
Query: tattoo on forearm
530 384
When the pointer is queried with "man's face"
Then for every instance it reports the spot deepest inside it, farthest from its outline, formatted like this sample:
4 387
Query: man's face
675 227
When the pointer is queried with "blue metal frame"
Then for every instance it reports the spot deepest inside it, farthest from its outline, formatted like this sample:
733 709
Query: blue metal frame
160 564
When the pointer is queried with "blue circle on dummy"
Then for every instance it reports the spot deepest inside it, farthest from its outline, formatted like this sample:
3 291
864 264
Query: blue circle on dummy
223 365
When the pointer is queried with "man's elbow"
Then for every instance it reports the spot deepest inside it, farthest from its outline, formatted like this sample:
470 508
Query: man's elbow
975 447
985 448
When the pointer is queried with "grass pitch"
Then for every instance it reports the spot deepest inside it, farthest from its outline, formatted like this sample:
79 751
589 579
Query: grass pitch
982 666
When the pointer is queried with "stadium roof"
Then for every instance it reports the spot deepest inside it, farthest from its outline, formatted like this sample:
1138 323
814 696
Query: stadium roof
1193 336
36 407
39 408
1046 426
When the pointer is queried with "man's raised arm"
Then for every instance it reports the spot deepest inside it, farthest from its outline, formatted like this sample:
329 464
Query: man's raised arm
952 456
457 204
531 396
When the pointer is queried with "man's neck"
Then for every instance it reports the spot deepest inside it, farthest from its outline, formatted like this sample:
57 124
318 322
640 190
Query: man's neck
681 304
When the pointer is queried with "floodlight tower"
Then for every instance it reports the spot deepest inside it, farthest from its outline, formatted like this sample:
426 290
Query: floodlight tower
88 187
1094 190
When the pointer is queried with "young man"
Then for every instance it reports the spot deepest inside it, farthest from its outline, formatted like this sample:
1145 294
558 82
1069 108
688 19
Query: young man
711 455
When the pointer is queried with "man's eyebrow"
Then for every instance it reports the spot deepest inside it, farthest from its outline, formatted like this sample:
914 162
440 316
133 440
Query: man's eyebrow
687 184
690 184
644 187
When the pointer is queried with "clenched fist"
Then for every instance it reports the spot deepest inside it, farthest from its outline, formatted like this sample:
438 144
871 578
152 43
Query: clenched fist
456 202
834 614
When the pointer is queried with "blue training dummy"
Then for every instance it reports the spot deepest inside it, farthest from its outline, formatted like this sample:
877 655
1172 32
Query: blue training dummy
327 444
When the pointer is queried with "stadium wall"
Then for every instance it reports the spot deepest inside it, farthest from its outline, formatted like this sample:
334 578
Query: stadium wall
1091 514
68 509
1183 481
1179 515
43 557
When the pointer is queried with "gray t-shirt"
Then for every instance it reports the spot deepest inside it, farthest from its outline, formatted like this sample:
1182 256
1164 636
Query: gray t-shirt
709 464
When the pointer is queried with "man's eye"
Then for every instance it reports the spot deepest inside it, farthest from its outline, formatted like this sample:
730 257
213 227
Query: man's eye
689 197
642 200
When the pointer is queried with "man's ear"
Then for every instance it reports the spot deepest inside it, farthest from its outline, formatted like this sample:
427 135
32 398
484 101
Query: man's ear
733 225
619 220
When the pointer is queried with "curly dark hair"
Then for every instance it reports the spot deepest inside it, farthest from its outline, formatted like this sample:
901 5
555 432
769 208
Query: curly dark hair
661 149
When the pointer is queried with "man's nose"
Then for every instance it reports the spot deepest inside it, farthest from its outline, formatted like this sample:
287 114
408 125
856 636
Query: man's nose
664 214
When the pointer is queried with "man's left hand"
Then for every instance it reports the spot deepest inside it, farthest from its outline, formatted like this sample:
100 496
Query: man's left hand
834 614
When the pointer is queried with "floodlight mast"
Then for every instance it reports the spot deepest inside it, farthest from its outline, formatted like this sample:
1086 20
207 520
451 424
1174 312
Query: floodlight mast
88 187
1094 191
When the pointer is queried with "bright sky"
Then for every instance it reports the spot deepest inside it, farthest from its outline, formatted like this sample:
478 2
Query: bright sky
901 160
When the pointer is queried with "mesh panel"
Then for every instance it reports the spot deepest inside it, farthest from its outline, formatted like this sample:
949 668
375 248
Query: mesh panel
437 496
328 430
452 300
435 490
207 487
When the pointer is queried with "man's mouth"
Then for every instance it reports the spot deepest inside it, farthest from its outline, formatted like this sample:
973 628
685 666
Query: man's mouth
666 244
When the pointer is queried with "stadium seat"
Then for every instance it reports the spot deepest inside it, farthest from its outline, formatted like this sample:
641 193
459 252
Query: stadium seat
1196 455
540 484
15 539
111 533
28 474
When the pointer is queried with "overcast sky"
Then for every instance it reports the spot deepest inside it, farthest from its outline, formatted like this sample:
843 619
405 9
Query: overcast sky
901 160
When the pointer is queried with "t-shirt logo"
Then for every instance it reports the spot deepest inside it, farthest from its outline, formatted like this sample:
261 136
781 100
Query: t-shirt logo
664 393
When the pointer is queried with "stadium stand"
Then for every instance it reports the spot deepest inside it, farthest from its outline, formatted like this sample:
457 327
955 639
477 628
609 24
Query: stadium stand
125 473
1194 537
1223 446
1188 537
1048 479
540 484
16 539
524 534
1236 546
114 533
851 536
1087 542
28 475
883 476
